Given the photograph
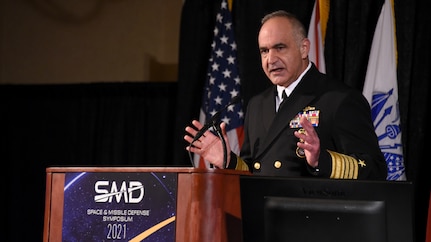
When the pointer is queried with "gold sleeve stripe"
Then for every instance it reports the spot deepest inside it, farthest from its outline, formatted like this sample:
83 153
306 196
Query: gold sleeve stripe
346 167
351 169
336 165
343 166
356 169
241 165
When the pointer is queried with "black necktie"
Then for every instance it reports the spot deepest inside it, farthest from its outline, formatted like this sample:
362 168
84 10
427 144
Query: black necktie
284 95
284 98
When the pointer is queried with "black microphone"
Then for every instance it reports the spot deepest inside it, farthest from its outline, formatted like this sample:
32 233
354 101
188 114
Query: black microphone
214 119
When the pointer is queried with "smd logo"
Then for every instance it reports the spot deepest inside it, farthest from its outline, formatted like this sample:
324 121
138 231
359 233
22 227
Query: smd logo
110 191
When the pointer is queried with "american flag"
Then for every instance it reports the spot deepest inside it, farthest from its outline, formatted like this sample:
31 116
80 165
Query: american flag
223 82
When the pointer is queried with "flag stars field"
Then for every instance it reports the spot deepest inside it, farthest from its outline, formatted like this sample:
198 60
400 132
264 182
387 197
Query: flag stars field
223 81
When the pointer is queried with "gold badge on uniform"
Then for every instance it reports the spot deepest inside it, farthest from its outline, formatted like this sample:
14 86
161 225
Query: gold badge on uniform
313 116
310 113
300 152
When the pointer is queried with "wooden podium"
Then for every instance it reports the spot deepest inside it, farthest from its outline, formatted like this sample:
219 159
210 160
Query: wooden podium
208 205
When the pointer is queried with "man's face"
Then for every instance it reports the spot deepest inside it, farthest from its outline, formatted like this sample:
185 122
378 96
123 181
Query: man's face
283 55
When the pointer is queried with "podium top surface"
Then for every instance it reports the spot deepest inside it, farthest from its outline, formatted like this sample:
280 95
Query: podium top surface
144 169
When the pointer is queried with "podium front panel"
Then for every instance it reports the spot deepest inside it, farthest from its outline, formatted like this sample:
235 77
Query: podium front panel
141 204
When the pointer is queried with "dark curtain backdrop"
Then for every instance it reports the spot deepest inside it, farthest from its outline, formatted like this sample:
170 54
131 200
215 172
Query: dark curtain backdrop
120 124
350 31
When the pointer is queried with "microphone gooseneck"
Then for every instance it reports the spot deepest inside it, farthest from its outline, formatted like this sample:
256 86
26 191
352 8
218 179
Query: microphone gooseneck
212 122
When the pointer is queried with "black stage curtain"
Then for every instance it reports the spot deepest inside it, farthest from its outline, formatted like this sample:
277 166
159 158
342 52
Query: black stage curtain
120 124
350 31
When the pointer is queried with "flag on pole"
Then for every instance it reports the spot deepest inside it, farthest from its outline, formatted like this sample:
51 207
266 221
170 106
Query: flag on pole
223 82
316 33
381 91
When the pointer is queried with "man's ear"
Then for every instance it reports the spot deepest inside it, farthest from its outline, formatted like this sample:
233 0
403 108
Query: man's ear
305 48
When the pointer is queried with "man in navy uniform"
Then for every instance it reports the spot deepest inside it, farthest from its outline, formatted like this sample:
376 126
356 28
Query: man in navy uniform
305 124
